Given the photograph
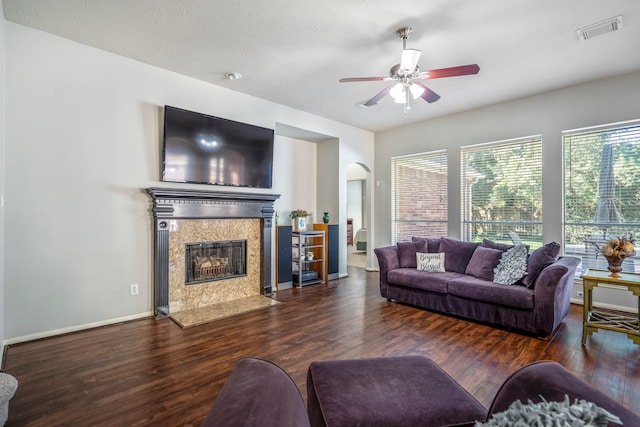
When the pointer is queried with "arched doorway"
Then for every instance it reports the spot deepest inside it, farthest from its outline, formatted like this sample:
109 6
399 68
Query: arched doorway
357 215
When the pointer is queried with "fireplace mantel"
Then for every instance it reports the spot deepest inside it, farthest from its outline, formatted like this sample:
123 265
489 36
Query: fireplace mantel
171 203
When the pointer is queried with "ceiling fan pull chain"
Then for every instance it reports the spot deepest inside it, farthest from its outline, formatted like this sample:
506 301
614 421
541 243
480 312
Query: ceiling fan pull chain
407 106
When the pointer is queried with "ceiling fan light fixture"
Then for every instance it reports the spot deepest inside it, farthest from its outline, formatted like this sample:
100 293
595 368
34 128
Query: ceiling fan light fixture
397 93
409 60
416 90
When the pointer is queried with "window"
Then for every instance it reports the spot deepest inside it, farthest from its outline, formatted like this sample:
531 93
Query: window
419 195
501 191
601 190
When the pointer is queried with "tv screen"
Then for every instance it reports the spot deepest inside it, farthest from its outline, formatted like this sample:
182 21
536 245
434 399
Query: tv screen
205 149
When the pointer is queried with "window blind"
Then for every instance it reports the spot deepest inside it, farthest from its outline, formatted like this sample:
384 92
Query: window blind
419 195
601 190
501 191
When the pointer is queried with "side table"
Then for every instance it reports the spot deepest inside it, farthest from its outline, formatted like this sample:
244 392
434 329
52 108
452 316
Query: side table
594 319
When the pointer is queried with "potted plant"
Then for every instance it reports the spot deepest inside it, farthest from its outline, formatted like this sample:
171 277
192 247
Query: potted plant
299 220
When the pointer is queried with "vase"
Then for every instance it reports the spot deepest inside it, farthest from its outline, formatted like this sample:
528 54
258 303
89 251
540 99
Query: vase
299 224
325 218
615 265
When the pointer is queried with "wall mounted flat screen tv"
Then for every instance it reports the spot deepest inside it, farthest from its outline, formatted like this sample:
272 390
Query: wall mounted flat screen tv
205 149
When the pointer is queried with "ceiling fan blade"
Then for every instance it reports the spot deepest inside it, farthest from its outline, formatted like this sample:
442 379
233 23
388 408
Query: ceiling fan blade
428 95
462 70
409 59
365 79
373 101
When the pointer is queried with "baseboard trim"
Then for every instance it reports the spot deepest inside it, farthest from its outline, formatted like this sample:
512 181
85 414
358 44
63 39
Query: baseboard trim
47 334
607 306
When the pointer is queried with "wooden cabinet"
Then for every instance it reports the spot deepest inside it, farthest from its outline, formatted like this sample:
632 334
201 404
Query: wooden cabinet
331 250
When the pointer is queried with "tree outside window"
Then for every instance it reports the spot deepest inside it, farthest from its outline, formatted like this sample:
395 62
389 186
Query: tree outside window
601 190
501 191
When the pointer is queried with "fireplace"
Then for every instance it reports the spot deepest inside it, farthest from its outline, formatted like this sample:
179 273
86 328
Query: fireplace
210 261
201 218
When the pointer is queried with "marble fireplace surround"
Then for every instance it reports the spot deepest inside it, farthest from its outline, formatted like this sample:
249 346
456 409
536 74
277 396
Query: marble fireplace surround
194 206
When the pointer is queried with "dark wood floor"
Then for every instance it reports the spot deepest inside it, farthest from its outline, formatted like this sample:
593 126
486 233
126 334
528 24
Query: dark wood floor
150 372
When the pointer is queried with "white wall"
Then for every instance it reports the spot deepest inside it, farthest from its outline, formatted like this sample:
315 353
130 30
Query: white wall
2 163
297 181
600 102
83 141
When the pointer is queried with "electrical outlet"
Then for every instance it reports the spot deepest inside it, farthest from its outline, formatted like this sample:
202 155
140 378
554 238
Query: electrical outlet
579 293
133 289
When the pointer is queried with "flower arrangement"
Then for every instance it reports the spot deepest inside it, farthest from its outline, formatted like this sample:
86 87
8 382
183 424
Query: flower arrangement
299 213
619 247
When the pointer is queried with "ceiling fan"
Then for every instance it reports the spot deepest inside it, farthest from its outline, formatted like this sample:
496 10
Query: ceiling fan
407 74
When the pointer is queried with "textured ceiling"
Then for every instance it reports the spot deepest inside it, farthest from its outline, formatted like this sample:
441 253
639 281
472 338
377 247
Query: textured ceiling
294 52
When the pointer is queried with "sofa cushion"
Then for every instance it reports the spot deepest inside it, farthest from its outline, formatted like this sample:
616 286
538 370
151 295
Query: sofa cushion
482 290
425 280
512 266
495 245
483 262
502 246
407 254
539 259
430 262
432 244
457 254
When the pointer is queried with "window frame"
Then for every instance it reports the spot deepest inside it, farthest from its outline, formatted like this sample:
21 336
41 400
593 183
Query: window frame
587 250
504 231
406 225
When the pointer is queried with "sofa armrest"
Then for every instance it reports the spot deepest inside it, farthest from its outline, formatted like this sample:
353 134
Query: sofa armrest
551 381
387 261
552 293
258 393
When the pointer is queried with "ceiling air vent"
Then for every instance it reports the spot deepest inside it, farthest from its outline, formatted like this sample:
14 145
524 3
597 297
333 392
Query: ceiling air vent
599 28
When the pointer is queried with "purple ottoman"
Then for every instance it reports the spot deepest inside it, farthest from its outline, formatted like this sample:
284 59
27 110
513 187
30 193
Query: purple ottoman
393 391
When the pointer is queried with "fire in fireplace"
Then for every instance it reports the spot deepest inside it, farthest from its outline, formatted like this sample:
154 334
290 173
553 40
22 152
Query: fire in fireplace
209 261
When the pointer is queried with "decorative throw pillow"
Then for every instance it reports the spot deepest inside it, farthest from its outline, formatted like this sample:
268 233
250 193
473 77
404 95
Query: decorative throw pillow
580 413
483 262
431 245
407 254
512 266
430 262
458 254
539 259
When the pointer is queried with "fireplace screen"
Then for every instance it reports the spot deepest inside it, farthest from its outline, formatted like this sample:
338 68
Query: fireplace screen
210 261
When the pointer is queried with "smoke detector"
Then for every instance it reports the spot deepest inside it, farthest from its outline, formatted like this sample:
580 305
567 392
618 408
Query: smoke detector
233 75
599 28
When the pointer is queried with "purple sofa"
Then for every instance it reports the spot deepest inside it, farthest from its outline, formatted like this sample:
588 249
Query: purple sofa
259 393
536 304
